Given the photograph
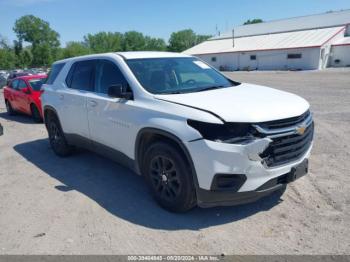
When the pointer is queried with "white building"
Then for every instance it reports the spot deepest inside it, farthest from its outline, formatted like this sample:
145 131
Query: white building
300 43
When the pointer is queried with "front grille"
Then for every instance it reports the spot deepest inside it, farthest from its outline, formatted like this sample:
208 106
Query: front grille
283 123
285 149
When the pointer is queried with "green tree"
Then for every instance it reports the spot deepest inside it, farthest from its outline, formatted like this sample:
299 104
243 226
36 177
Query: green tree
7 55
154 44
73 49
24 58
7 59
134 41
182 40
104 42
202 38
253 21
44 40
185 39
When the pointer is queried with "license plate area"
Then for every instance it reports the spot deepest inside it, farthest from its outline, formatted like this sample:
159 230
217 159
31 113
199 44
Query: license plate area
298 171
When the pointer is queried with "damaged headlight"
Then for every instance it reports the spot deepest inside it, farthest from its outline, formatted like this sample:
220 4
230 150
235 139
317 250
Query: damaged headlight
232 133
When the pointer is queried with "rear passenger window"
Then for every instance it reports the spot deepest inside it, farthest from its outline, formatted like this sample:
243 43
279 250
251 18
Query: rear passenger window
55 70
108 74
81 75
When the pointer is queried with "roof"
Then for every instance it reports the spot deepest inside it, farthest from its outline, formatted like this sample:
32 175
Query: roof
342 41
29 77
330 19
149 54
127 55
299 39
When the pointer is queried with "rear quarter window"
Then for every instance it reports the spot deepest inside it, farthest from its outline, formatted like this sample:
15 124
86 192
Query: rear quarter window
55 70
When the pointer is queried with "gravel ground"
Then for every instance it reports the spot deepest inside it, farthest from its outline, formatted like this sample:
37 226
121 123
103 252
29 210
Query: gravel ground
86 204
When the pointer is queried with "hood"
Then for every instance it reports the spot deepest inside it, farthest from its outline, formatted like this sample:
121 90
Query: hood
243 103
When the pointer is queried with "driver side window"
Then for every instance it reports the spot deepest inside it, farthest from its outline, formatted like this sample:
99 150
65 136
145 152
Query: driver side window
108 74
21 85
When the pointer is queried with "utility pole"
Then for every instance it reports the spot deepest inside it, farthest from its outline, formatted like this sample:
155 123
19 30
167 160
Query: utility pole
233 37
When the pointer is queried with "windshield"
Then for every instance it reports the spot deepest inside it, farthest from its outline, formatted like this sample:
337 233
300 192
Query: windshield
176 75
37 83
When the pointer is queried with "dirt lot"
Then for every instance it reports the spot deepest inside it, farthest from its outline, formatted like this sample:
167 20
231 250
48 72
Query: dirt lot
89 205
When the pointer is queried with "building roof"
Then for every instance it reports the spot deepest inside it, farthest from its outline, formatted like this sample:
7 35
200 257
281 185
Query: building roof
330 19
289 40
342 41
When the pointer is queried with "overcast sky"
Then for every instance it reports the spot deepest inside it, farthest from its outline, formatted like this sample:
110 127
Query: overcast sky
72 19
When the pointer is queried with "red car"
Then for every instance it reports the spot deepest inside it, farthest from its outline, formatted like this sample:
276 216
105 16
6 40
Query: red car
23 95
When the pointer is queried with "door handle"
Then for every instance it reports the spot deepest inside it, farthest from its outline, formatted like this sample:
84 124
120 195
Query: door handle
92 103
61 97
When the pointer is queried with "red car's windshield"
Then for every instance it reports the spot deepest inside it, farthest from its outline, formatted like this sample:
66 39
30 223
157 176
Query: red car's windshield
37 83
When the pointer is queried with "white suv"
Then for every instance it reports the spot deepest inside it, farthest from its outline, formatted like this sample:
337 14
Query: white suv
197 136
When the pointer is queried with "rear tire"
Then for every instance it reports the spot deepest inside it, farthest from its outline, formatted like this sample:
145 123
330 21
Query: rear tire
169 177
35 114
57 139
9 108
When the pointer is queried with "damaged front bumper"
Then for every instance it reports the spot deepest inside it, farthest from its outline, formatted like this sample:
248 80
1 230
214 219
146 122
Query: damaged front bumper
243 165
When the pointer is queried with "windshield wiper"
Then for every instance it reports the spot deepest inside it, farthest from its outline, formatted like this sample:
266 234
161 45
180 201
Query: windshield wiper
211 88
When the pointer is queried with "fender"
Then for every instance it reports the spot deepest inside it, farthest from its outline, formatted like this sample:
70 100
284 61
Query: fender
172 137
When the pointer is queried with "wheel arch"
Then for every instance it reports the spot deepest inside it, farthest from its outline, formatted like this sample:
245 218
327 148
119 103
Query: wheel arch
46 111
148 135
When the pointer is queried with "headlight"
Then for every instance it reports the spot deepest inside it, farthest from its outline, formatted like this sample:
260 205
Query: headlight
233 133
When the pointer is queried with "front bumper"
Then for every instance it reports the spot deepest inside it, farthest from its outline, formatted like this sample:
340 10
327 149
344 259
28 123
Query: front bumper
211 158
209 198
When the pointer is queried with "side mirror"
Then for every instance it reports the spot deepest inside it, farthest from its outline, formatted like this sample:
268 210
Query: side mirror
119 91
26 90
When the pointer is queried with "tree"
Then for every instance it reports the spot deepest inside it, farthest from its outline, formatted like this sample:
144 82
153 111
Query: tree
73 49
104 42
24 58
253 21
134 41
7 55
185 39
44 41
182 40
202 38
154 44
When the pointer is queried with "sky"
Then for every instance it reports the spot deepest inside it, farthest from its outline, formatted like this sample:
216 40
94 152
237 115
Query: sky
73 19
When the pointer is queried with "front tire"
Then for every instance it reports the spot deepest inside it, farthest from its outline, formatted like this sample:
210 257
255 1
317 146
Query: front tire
57 139
9 108
169 177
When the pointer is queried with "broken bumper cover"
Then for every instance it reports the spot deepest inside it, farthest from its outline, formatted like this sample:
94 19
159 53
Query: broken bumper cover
211 158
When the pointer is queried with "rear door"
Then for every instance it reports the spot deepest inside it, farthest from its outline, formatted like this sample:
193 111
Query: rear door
11 93
73 112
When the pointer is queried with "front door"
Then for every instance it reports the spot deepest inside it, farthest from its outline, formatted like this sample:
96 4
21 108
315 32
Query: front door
109 118
23 101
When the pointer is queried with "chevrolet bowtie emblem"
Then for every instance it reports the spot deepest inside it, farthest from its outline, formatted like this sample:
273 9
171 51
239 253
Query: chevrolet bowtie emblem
301 129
